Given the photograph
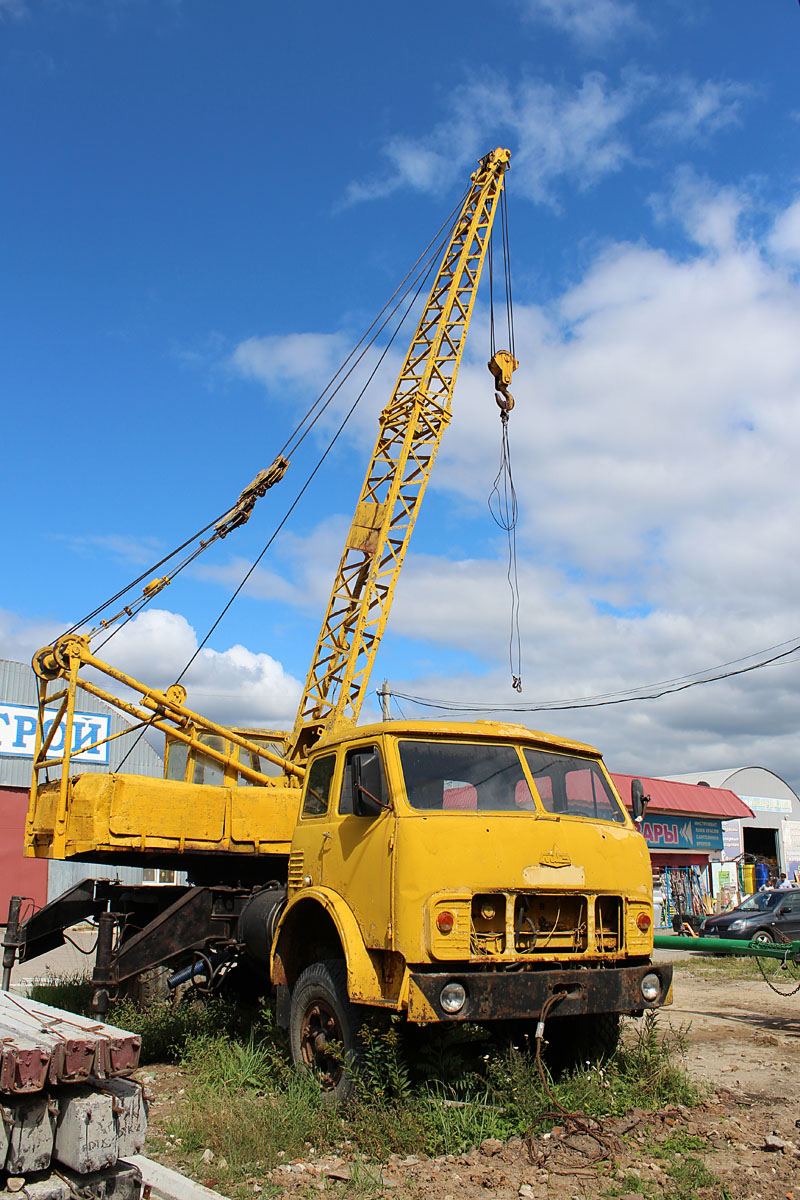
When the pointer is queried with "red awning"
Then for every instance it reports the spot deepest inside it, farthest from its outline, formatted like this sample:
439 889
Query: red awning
690 798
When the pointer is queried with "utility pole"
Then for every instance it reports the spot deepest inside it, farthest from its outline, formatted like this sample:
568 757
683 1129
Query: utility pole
386 701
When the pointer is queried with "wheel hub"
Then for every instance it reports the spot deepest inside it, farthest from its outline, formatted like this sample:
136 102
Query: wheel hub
319 1029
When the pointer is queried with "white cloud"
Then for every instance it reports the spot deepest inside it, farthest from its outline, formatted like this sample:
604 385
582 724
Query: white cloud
593 25
564 133
710 215
784 240
701 108
297 359
234 686
21 637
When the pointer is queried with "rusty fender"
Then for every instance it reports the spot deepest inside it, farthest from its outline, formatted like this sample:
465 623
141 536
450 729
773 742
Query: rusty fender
497 996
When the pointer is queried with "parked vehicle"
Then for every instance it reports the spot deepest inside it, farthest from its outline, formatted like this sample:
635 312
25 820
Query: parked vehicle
768 916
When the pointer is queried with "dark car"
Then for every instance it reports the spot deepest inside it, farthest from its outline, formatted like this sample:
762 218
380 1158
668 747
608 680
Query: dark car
768 916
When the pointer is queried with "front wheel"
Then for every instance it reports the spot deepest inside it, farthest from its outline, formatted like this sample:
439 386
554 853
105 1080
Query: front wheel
324 1028
762 938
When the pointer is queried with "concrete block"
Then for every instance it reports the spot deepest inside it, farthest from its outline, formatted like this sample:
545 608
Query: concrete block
51 1188
130 1114
30 1134
121 1182
86 1134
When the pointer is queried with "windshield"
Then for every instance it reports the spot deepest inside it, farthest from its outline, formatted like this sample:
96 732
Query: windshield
464 777
575 787
759 902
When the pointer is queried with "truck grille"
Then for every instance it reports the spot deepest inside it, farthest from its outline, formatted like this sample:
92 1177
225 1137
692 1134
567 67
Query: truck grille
608 923
547 924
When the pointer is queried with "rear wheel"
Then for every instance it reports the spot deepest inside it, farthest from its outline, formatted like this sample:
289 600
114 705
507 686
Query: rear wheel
324 1028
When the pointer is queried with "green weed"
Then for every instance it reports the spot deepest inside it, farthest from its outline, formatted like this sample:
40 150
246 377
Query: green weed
72 992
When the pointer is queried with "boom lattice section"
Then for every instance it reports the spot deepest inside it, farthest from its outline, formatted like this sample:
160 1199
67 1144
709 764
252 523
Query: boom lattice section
411 428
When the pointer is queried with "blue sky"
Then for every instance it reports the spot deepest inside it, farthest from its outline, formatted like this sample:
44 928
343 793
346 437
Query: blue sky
203 205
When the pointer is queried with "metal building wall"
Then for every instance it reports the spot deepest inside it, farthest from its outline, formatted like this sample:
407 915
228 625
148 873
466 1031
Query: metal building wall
18 685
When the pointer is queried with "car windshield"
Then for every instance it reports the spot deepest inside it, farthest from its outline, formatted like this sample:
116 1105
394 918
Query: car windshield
464 777
760 902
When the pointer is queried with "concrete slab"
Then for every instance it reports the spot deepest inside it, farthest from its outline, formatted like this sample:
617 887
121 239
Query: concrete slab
166 1184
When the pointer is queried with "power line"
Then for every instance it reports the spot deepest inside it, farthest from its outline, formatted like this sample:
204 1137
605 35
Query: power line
628 696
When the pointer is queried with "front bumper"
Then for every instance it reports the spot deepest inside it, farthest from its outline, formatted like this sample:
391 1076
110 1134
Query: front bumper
520 995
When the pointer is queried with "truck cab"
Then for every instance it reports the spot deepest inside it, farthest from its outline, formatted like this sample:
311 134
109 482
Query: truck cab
469 872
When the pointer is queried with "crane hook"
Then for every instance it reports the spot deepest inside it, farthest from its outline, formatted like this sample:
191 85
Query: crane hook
502 366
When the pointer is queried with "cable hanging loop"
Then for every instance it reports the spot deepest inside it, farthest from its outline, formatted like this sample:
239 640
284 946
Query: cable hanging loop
503 497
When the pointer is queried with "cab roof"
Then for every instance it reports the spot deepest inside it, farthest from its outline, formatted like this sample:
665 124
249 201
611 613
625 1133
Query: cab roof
473 730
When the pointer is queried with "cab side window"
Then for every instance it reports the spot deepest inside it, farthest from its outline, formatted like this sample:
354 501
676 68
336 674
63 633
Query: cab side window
318 786
363 783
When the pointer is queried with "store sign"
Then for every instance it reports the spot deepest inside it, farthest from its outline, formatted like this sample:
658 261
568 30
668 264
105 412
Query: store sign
18 733
782 804
732 841
682 833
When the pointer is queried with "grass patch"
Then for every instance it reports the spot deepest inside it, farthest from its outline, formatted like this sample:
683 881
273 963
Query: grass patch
72 992
684 1173
719 966
252 1109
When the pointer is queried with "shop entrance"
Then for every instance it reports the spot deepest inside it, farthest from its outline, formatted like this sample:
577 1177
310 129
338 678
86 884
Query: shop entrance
762 845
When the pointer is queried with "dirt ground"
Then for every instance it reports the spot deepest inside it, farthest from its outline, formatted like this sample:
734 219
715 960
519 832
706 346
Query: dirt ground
743 1042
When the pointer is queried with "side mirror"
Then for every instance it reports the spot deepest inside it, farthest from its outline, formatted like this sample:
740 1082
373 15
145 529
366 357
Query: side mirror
639 801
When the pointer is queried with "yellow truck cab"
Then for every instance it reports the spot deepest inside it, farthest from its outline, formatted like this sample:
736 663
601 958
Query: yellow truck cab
462 872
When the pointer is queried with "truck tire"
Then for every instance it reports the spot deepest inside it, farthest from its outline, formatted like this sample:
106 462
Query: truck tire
324 1028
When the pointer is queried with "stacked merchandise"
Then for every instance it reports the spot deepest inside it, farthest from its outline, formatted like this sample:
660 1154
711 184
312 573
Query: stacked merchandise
69 1116
685 893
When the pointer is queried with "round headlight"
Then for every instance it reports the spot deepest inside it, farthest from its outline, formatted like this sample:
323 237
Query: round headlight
651 987
453 997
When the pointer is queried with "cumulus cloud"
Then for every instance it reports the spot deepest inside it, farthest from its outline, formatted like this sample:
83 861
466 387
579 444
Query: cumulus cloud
593 26
559 133
235 686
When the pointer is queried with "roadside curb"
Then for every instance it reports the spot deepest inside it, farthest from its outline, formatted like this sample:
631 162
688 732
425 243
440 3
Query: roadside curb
166 1184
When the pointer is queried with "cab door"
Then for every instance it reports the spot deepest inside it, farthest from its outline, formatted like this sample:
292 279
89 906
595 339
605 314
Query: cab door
358 842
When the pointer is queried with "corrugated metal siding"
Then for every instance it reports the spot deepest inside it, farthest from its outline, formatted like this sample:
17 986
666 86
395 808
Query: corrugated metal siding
64 875
18 686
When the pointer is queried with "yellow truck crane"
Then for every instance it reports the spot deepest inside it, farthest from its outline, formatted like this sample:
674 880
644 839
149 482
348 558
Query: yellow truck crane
444 871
